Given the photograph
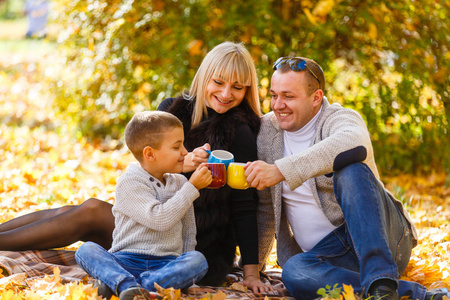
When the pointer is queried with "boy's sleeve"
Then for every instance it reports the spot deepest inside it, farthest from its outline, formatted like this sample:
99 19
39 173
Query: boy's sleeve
189 231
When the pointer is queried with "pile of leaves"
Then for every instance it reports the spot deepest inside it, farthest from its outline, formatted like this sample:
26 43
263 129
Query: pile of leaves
428 201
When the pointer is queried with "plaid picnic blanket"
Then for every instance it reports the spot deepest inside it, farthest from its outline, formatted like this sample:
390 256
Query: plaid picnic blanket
40 263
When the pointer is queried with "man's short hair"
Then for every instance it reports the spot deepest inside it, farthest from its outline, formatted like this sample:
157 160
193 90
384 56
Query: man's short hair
147 129
313 84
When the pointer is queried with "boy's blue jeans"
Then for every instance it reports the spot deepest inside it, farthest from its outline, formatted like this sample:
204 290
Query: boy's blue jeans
123 270
375 242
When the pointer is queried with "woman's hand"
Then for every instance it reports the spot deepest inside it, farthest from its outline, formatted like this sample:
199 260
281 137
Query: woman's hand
195 158
199 155
252 280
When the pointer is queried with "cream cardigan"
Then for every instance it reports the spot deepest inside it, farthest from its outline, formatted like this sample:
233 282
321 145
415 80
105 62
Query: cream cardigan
338 130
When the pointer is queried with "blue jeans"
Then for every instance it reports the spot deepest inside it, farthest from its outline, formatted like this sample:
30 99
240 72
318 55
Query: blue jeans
374 243
123 270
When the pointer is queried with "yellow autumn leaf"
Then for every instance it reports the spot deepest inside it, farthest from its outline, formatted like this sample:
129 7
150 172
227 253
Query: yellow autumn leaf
219 296
306 3
33 295
9 295
373 32
195 47
18 279
348 292
57 274
310 17
265 82
239 287
77 293
168 294
323 8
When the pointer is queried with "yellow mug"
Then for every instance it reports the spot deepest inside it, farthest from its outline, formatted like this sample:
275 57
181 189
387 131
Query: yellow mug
236 176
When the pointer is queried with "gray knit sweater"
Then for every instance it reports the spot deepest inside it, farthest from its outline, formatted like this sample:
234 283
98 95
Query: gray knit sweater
152 218
338 130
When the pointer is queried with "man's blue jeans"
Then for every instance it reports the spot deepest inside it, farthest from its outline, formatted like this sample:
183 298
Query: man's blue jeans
123 270
374 243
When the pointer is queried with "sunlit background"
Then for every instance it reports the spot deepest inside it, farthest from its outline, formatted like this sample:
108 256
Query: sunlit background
66 94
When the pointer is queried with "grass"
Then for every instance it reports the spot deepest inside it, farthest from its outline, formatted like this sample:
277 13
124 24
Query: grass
16 50
12 30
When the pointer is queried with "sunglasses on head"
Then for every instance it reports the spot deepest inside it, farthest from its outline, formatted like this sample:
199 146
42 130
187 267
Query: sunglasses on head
296 64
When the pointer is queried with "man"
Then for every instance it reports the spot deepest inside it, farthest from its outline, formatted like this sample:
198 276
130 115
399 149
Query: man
37 12
333 219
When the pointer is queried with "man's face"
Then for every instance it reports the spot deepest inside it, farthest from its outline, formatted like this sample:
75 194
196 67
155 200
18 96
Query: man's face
292 105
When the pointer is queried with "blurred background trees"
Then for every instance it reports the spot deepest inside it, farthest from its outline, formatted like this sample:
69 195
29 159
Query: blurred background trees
389 60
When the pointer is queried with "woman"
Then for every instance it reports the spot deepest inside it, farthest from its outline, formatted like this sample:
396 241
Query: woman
221 111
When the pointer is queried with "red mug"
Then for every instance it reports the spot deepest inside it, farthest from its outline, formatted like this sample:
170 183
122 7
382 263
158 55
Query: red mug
219 175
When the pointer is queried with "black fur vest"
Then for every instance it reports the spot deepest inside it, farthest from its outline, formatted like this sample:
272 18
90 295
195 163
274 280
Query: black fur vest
216 129
215 233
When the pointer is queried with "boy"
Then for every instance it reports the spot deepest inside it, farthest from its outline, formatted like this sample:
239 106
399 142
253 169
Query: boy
154 235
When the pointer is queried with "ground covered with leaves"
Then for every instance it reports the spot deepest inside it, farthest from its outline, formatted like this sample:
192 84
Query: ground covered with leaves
45 163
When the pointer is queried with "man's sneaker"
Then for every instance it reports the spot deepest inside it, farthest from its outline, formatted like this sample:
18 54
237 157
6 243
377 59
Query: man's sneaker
437 294
383 292
135 293
103 290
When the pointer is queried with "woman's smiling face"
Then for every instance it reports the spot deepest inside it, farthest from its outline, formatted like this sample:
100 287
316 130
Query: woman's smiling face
223 95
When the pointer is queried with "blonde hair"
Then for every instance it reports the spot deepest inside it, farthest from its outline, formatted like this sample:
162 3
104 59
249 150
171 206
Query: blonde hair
230 62
147 129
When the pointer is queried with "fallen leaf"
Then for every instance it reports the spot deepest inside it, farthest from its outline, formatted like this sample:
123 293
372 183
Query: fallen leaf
219 295
239 287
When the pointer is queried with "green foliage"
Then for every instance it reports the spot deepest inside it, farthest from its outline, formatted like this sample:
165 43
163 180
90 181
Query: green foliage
330 293
11 9
388 60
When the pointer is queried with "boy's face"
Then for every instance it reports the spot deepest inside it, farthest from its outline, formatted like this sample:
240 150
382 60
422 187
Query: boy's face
169 158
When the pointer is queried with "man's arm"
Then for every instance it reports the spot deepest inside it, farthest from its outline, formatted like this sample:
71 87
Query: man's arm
344 139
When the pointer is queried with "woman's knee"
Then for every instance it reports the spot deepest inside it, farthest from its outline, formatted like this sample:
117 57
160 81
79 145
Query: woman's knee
63 209
95 211
94 205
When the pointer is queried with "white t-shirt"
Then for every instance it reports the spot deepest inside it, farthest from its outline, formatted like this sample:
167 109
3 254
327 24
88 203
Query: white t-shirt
308 223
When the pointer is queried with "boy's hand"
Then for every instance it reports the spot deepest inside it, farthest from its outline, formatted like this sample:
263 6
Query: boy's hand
201 177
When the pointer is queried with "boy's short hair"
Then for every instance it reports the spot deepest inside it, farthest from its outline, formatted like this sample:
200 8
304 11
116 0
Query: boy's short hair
147 129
